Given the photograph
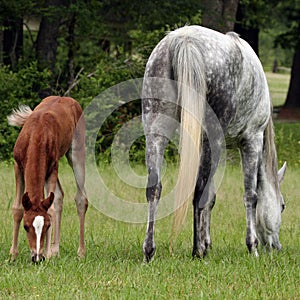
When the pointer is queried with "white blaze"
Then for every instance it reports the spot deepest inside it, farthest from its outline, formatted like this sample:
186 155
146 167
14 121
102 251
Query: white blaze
38 224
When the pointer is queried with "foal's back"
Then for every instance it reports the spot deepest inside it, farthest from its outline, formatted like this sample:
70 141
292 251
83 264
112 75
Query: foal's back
51 125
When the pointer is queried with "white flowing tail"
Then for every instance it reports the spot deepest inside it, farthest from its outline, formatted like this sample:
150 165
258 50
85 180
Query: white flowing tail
189 71
19 116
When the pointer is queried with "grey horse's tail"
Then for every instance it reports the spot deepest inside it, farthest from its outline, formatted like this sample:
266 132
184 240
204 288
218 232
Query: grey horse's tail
269 151
189 71
19 116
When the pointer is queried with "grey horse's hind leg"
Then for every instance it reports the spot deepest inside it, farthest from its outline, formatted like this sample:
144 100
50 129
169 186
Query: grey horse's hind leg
155 145
203 202
251 151
202 240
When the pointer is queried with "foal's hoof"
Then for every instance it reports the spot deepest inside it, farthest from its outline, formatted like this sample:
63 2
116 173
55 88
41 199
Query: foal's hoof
81 252
13 254
53 252
13 257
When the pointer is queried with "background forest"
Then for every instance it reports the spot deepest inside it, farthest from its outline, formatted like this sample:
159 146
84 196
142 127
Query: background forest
80 48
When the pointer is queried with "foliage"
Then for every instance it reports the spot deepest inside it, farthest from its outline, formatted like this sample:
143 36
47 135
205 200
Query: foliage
277 24
268 52
90 86
289 12
151 15
15 9
259 13
17 88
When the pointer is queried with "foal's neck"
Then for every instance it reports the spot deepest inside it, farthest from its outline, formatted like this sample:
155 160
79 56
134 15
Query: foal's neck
37 169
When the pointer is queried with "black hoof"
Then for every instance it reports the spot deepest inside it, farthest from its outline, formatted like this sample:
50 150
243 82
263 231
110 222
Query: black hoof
252 245
198 254
149 254
202 252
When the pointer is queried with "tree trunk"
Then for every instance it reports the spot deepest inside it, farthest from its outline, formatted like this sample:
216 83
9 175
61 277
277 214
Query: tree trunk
219 14
249 33
46 44
291 107
71 50
293 96
1 43
12 39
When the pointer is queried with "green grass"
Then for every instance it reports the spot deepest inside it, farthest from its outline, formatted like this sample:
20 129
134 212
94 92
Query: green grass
113 268
287 137
278 85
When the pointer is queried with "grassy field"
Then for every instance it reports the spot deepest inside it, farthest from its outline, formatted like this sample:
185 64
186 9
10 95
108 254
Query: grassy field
113 267
278 84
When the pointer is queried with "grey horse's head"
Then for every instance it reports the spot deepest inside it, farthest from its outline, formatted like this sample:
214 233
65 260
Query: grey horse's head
270 205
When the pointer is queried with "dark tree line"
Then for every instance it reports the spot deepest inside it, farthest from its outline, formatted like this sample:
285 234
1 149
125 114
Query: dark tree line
72 35
80 48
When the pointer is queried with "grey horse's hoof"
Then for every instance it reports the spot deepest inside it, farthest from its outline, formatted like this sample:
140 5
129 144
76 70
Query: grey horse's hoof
149 253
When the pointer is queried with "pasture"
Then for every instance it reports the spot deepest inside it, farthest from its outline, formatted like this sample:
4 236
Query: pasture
113 267
278 84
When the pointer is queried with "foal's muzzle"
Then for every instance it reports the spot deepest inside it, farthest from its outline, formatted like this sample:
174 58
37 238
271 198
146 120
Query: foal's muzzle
37 258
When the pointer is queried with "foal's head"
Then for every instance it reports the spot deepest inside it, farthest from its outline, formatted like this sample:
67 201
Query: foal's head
36 224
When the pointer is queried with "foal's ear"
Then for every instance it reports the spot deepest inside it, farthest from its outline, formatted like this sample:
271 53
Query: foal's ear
26 202
281 172
48 201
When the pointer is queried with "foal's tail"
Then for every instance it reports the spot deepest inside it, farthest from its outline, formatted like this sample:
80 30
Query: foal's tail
189 71
19 115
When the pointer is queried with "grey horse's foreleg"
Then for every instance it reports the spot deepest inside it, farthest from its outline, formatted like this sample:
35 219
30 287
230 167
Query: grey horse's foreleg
251 151
154 157
153 193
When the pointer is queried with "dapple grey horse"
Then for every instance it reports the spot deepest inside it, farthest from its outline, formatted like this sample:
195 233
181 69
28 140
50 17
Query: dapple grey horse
220 90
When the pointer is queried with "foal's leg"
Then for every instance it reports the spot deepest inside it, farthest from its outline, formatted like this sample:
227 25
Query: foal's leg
76 159
251 151
204 201
155 145
55 212
17 210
